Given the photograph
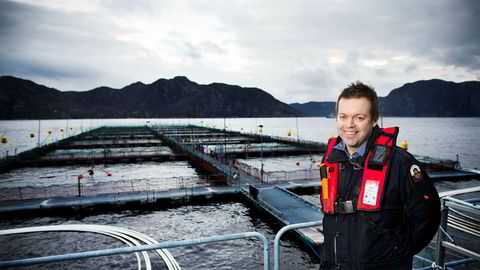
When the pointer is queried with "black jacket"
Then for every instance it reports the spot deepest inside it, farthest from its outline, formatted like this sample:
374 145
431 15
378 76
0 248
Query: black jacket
386 239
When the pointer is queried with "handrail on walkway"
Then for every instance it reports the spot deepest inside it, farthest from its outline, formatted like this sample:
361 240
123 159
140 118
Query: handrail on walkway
115 251
276 258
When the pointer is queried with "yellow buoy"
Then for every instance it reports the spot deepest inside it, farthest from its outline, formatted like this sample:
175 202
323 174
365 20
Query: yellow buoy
404 144
49 132
4 139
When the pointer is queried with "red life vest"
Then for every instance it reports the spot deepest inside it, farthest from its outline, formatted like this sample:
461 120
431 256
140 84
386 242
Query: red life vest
375 175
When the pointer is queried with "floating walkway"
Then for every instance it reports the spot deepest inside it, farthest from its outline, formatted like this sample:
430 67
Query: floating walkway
120 199
100 158
109 143
165 198
288 208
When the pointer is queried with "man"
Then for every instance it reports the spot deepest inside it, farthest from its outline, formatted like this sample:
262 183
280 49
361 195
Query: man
380 208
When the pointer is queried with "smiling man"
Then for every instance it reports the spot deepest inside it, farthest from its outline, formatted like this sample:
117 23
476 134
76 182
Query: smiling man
354 123
380 208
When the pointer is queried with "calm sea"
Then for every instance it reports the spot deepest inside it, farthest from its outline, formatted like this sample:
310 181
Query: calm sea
434 137
444 138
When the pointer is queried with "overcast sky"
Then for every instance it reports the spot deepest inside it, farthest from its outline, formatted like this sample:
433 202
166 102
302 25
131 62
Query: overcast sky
296 50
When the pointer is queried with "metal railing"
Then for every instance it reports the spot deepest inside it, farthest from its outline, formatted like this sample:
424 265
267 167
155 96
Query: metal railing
116 251
169 244
108 155
438 264
89 187
461 221
450 203
278 176
282 231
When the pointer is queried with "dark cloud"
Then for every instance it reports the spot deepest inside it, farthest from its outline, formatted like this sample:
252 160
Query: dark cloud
14 17
31 69
445 31
27 42
55 45
463 40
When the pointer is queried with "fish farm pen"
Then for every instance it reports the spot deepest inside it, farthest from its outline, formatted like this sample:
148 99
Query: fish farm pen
215 165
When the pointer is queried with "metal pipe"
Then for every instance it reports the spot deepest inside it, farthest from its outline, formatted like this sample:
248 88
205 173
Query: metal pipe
464 203
439 248
448 264
115 251
461 250
122 234
460 262
432 266
423 259
276 258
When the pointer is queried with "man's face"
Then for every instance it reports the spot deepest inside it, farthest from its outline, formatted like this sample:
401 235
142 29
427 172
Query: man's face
354 122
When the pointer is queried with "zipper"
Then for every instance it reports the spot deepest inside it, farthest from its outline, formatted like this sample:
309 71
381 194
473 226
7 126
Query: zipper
338 198
335 248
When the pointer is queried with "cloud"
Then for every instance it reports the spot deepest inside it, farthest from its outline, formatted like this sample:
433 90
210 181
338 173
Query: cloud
296 50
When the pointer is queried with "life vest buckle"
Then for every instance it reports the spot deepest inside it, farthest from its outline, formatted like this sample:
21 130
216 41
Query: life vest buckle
346 207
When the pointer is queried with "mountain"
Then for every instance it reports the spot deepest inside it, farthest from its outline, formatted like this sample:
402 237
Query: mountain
314 108
433 98
426 98
164 98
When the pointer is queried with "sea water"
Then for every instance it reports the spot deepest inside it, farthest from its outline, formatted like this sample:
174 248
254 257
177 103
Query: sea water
444 138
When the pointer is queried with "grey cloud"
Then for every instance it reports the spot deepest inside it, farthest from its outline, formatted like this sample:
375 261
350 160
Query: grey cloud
319 84
445 31
381 72
189 50
282 39
410 68
211 47
344 70
316 78
45 43
463 56
30 69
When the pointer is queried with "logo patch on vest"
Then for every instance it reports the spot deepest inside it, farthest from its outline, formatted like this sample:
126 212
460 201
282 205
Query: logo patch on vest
371 192
416 173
